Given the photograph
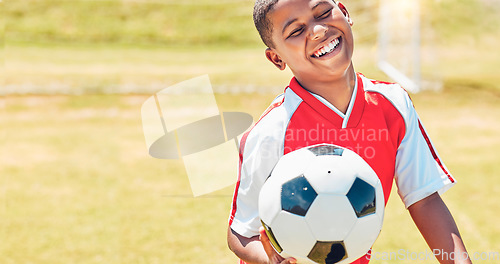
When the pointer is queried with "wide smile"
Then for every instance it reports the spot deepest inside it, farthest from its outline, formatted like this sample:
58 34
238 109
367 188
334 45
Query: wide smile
328 48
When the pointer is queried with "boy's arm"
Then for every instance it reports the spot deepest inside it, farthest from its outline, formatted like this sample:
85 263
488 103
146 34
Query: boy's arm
249 250
437 226
254 250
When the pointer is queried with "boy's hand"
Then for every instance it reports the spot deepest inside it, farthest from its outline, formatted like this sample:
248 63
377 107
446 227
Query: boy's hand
274 258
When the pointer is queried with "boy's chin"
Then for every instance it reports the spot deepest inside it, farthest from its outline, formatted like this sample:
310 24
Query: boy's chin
336 62
325 71
331 66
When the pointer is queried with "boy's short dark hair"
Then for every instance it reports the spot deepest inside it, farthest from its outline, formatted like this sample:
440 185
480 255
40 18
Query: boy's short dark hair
263 24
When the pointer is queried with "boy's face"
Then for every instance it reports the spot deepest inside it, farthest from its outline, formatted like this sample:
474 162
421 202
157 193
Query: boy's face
313 37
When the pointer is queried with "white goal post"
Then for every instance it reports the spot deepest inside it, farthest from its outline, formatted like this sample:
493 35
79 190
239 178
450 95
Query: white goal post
399 42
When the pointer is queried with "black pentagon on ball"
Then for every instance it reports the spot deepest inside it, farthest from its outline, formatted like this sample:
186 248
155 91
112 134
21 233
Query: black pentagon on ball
328 252
362 197
323 150
297 195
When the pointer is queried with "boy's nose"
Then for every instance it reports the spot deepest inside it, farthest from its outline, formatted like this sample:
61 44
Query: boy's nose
318 32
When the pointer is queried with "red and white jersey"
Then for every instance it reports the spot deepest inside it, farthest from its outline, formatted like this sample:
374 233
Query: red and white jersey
380 124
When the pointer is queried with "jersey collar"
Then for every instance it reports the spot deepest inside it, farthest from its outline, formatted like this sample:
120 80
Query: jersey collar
354 111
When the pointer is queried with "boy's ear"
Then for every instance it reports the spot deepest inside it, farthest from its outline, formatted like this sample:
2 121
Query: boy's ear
345 12
275 59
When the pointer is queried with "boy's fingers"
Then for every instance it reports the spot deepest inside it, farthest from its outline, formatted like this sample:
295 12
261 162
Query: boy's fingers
264 239
265 242
289 261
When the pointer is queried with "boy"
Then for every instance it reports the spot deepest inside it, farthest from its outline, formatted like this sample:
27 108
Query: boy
327 102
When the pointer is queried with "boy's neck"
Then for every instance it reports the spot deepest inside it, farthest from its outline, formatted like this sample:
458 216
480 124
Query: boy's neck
337 91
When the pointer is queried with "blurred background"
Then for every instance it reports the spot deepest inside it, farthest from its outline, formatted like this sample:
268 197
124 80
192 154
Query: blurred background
78 186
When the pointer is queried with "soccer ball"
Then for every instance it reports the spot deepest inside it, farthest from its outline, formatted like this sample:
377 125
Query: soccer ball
322 204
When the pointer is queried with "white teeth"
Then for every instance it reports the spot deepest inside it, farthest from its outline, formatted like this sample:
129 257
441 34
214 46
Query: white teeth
327 48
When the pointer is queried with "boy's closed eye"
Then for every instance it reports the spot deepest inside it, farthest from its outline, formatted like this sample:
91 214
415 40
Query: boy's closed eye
325 14
298 31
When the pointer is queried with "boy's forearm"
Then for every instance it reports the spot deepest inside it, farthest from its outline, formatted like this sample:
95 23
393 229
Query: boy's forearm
437 226
249 250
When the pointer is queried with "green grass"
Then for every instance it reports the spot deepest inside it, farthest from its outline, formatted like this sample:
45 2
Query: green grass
79 187
130 22
77 184
77 70
462 20
105 69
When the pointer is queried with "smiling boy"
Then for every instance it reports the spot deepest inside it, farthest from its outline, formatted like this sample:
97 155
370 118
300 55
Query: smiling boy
328 102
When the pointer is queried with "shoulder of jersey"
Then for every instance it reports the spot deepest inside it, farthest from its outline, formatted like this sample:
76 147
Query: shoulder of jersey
393 92
274 121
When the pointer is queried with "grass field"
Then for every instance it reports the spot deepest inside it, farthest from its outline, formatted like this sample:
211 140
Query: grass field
77 184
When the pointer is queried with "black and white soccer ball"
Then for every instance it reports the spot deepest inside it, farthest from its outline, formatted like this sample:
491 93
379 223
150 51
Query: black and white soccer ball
322 204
